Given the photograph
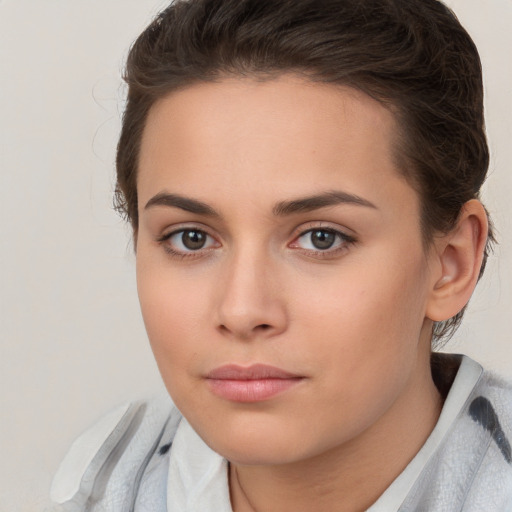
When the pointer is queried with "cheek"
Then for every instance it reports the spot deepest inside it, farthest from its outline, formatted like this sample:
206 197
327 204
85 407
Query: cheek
363 345
363 298
172 308
365 320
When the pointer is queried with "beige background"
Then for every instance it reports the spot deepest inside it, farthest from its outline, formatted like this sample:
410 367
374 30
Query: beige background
73 344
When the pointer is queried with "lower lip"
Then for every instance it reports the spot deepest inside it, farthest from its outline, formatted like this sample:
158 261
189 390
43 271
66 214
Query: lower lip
255 390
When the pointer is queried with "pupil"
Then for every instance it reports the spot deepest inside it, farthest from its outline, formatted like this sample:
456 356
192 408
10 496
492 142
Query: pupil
322 239
193 239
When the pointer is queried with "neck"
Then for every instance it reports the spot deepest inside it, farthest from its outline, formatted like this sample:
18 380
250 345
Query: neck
349 477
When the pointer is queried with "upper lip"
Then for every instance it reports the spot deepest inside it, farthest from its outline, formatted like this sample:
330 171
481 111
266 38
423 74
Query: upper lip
253 372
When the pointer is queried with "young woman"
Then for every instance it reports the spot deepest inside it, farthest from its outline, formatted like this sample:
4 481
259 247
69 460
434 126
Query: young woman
302 178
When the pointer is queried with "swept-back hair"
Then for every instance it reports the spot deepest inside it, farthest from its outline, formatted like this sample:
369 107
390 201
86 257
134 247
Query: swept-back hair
413 56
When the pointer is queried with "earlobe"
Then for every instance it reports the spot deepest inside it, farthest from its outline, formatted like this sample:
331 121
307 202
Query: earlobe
459 254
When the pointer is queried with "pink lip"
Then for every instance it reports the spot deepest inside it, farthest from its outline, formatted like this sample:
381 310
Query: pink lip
250 384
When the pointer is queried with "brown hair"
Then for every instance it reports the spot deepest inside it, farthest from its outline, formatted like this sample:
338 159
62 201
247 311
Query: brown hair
411 55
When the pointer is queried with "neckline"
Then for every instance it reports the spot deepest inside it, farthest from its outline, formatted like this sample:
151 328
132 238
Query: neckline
468 375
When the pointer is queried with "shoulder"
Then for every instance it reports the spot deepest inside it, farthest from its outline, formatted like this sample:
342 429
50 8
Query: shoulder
466 462
487 444
498 387
491 408
111 456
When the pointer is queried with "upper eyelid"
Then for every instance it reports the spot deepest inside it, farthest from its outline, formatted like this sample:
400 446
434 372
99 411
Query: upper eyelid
344 236
172 230
306 227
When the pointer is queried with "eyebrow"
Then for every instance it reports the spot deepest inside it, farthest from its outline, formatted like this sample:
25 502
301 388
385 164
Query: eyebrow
184 203
281 209
310 203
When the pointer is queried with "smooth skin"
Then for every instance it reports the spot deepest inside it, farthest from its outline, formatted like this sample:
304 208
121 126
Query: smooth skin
236 264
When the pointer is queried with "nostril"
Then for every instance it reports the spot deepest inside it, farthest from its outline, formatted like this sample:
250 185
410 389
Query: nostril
246 329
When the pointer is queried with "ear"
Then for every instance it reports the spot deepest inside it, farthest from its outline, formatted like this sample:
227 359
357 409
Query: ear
458 258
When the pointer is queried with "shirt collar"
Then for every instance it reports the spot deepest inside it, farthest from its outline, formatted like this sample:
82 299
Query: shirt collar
198 476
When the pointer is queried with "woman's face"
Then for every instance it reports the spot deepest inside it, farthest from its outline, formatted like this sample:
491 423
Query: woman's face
280 266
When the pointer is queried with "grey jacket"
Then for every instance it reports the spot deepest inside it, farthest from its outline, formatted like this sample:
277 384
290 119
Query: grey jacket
145 457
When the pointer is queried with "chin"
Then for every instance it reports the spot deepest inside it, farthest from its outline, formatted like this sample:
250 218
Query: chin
259 454
261 445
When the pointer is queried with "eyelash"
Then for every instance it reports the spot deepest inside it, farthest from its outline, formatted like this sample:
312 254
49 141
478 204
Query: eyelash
344 241
165 238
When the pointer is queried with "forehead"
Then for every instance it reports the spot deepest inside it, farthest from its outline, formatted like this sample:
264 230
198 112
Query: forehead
281 136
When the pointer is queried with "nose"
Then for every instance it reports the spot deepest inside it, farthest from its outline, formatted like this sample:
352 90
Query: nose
251 300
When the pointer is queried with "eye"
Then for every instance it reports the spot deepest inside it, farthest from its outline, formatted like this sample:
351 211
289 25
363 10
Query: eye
322 240
186 241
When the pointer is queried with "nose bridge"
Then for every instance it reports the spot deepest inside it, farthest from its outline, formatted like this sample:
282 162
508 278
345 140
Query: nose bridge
249 301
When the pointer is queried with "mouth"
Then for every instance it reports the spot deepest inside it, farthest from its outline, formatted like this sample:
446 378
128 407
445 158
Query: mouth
255 383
